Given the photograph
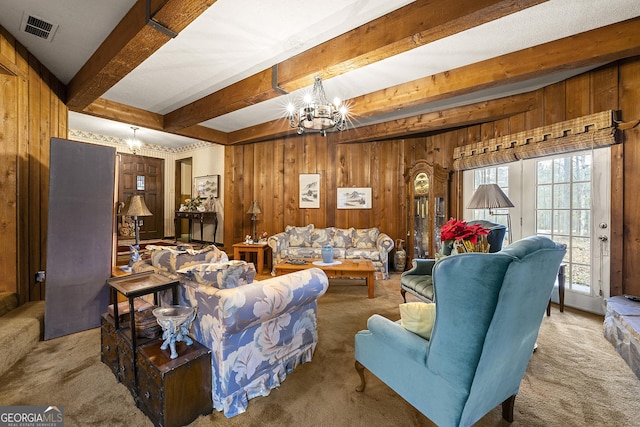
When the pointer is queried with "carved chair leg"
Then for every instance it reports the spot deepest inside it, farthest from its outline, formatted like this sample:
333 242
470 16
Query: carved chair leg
507 409
360 371
404 294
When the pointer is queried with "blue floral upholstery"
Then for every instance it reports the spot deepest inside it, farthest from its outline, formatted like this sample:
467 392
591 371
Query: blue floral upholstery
171 259
258 332
347 243
222 275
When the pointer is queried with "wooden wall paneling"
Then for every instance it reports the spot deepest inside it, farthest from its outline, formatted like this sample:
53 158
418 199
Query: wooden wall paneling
276 222
46 93
604 89
34 209
290 187
320 167
576 97
23 278
329 184
501 128
9 129
342 180
487 131
250 175
617 225
554 103
517 123
629 91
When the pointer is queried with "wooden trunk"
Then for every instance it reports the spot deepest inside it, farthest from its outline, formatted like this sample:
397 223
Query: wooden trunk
174 392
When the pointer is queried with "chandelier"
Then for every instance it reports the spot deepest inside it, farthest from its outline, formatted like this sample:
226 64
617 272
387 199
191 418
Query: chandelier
134 143
317 114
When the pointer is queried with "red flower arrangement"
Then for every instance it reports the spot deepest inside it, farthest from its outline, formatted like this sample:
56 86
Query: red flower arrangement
465 236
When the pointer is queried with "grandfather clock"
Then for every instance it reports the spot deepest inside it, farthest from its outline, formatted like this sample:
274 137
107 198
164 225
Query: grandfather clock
427 192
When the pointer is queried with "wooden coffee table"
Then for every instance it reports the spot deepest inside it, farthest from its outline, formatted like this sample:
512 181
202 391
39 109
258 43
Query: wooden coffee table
347 268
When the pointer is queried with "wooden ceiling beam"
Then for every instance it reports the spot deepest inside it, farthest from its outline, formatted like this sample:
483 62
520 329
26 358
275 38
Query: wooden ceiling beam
479 112
418 23
466 115
593 47
130 43
111 110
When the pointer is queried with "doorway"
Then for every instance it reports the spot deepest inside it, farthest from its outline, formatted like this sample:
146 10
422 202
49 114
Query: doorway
144 176
183 180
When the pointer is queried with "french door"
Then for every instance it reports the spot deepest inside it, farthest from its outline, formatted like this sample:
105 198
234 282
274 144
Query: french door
567 198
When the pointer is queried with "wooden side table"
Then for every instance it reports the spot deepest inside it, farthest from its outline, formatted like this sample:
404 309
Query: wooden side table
260 249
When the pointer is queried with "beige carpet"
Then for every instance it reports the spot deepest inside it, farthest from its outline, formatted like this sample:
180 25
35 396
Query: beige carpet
574 379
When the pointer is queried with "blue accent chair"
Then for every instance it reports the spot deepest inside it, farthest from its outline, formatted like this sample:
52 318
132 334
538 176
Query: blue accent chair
488 312
418 280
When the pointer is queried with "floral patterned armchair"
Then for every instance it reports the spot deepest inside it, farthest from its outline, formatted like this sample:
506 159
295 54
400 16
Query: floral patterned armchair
258 331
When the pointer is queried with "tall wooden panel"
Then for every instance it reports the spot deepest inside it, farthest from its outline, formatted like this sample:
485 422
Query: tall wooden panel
79 240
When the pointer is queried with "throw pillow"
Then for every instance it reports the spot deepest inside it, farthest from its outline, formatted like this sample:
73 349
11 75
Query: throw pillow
366 238
299 236
321 237
418 317
225 275
343 237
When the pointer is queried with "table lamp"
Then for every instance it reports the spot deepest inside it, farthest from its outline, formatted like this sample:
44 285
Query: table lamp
491 196
254 210
135 207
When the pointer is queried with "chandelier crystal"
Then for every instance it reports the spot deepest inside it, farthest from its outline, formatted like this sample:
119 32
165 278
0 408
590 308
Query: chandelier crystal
134 143
317 114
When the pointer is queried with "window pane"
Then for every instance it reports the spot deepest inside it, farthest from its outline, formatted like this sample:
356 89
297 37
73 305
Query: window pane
544 172
544 197
581 250
561 222
581 222
581 195
582 168
580 278
503 178
562 169
562 196
544 222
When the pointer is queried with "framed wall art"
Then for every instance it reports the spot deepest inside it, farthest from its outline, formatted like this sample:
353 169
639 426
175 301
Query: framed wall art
354 198
206 186
309 190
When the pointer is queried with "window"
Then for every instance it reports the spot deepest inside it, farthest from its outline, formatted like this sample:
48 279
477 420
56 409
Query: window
563 212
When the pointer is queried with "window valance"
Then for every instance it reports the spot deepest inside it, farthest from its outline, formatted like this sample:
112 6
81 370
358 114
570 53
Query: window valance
592 131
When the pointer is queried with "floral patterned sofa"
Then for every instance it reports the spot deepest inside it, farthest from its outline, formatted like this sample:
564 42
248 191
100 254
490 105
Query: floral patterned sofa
258 331
347 243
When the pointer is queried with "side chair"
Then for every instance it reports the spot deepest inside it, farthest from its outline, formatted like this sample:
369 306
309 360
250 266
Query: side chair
418 281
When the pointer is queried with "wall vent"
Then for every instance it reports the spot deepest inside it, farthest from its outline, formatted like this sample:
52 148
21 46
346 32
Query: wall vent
38 27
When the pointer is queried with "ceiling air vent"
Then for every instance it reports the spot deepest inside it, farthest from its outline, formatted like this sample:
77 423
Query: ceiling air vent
38 27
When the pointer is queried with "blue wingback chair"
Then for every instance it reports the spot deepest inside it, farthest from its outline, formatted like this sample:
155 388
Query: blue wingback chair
488 311
418 280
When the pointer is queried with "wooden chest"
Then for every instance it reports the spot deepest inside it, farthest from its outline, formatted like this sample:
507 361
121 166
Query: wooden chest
174 392
116 352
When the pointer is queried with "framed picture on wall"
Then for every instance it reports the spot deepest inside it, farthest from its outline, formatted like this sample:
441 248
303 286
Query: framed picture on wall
354 198
206 186
309 190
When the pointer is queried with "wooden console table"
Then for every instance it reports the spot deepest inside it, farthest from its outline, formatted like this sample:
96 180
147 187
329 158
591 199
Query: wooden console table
202 217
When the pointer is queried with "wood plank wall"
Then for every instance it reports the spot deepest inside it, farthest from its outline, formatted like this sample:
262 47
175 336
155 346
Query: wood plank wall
268 171
33 111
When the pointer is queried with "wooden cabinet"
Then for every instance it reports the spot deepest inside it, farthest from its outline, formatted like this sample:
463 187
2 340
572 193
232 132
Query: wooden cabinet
174 392
427 192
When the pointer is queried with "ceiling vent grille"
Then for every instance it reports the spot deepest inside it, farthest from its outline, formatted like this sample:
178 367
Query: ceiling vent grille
38 27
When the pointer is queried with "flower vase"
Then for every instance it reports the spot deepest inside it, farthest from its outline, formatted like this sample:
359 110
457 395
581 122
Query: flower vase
327 254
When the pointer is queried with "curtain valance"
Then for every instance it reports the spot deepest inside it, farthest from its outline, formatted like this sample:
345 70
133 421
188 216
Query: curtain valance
592 131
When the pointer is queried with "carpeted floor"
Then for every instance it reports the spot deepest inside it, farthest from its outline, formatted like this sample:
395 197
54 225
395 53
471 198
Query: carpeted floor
575 378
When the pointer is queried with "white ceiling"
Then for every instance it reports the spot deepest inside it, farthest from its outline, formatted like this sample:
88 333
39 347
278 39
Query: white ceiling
234 39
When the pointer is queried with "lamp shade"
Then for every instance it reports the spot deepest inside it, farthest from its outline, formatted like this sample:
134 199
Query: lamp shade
254 209
135 206
489 196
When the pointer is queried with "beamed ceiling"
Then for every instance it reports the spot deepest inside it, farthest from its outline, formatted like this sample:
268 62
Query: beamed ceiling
404 67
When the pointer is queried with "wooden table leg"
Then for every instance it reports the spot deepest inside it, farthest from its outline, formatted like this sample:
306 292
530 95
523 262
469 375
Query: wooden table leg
370 284
260 256
236 254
